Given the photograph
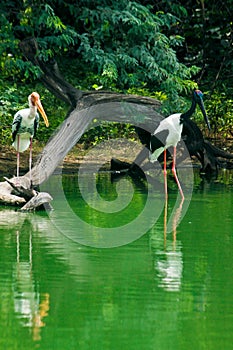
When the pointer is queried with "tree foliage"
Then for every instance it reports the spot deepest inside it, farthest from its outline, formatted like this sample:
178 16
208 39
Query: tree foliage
122 43
161 49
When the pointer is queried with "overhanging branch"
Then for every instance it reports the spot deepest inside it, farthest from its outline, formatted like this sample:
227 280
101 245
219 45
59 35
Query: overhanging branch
51 76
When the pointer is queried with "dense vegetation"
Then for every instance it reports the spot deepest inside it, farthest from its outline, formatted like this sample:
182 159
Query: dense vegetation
160 49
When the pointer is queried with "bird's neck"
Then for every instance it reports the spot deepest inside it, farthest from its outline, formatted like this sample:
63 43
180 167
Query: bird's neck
33 111
187 115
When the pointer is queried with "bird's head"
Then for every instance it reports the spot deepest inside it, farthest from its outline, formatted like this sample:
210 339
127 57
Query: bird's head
198 98
34 100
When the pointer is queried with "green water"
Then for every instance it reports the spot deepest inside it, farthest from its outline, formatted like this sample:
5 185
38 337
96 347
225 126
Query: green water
161 291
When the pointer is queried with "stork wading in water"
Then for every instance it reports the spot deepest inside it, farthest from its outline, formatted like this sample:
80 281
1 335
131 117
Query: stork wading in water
24 127
168 134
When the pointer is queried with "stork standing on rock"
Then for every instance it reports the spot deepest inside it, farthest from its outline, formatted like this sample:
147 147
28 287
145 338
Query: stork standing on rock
168 134
25 125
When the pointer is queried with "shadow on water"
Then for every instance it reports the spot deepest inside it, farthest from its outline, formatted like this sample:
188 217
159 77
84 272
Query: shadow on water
166 290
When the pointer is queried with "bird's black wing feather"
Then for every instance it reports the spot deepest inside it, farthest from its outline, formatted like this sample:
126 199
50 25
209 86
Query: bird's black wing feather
158 140
16 125
144 136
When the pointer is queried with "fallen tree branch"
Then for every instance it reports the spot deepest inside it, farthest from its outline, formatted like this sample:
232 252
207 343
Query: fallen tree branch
21 186
17 191
6 196
38 200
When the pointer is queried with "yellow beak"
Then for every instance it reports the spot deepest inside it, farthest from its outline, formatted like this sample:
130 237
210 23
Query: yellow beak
42 112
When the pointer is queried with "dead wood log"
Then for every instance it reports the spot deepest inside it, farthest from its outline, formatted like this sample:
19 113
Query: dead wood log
38 200
21 187
18 191
6 196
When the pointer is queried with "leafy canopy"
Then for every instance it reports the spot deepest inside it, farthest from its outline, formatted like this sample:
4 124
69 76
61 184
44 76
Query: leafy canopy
125 45
116 44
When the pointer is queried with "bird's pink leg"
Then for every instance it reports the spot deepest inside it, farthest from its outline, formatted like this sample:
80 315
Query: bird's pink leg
30 160
175 175
165 224
165 172
17 172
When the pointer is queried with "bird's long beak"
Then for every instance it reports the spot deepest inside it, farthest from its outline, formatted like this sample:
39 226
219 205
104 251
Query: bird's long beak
42 112
202 107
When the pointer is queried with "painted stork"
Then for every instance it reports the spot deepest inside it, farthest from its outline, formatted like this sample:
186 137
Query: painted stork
168 134
25 125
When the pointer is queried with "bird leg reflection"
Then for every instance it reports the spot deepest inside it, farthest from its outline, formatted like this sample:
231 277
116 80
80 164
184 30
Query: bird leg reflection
175 220
165 173
165 224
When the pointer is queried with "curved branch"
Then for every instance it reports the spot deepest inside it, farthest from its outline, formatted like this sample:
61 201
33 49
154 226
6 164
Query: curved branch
51 76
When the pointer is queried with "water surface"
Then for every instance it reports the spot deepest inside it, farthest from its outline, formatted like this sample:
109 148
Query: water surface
161 291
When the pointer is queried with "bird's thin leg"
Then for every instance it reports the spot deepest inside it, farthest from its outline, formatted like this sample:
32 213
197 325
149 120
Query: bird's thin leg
175 175
165 224
30 161
18 156
165 172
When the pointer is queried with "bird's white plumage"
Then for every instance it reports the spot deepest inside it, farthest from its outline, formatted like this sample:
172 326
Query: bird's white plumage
26 129
174 127
23 144
155 155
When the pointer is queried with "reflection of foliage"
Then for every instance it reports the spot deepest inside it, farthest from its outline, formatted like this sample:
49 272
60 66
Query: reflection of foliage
107 191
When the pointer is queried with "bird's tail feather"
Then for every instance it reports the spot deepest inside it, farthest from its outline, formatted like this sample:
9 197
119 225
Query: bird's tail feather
155 155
